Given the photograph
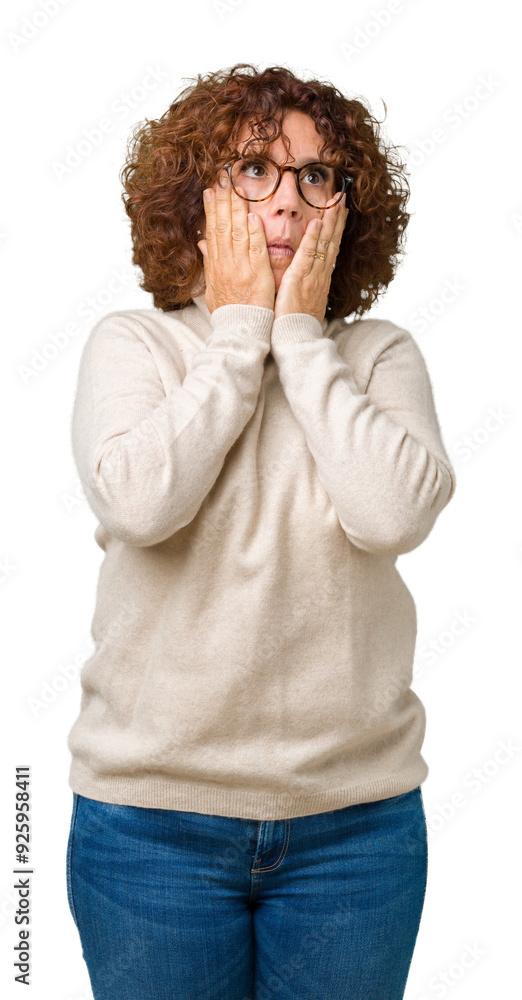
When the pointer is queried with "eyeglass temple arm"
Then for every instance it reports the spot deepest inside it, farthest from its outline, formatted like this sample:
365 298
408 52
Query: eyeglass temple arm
348 180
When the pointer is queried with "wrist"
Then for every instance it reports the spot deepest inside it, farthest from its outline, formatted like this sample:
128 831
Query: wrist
261 303
295 327
245 319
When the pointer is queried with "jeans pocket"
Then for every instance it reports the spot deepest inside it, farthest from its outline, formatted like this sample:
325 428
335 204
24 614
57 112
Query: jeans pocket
70 897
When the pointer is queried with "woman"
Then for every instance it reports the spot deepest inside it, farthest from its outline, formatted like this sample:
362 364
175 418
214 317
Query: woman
246 767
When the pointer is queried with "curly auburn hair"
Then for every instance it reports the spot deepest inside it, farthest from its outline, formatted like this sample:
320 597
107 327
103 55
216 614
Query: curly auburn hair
171 160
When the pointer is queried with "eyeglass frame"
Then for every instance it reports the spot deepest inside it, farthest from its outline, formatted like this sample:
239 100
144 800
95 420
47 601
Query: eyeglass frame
347 179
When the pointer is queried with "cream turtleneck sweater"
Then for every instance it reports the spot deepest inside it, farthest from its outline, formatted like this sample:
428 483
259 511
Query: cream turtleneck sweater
254 481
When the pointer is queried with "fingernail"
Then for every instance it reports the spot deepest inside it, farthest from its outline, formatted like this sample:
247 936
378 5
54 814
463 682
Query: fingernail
223 180
207 194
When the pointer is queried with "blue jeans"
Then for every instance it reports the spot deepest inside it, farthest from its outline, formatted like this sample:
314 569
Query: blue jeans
171 904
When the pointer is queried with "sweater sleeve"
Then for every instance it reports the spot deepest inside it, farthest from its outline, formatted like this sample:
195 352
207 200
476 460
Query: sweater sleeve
146 458
379 454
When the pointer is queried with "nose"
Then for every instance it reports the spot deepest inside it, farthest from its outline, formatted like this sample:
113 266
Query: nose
286 198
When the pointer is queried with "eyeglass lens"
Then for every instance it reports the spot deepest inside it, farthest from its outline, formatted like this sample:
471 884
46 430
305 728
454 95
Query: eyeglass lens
258 179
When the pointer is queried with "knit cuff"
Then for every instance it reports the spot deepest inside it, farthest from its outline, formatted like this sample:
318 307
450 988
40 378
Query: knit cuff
248 321
294 327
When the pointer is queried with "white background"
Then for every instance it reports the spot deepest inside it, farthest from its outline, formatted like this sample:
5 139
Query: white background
438 66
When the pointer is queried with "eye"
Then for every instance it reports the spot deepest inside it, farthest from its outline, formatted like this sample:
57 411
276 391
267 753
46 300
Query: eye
315 175
253 168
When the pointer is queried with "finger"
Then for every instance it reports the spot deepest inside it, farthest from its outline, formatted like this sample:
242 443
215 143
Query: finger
210 220
240 232
223 220
317 239
341 214
340 211
329 218
257 239
329 238
303 259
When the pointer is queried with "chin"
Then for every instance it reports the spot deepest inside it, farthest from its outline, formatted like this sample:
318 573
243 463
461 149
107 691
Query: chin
278 272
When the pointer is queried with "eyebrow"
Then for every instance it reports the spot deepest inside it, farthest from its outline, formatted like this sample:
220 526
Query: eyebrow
312 159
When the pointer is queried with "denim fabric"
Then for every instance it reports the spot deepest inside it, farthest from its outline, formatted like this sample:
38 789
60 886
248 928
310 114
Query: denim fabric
171 904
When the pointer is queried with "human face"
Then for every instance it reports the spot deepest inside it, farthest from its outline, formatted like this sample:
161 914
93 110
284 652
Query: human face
285 215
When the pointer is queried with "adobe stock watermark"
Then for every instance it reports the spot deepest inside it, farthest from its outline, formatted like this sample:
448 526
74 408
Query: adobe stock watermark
33 24
6 569
397 687
469 444
50 690
312 941
424 315
515 218
71 501
432 650
88 309
453 118
8 905
77 152
440 984
224 7
125 959
86 995
378 20
473 783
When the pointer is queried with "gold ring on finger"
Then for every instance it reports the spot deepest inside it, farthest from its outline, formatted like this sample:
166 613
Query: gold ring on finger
321 255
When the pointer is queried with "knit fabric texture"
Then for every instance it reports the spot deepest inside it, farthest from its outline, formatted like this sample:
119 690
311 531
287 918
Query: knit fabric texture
254 481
